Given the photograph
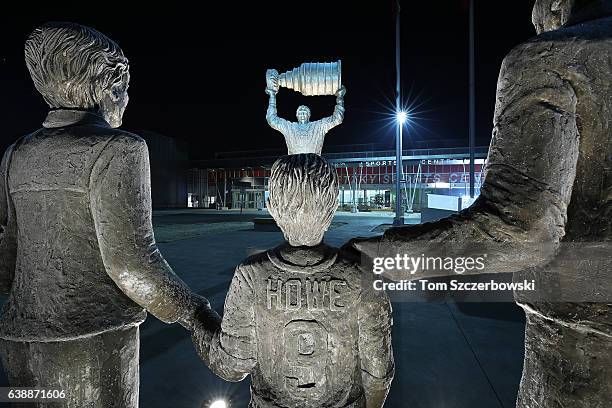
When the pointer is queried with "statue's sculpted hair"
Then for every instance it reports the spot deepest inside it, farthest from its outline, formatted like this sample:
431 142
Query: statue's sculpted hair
303 107
72 65
303 197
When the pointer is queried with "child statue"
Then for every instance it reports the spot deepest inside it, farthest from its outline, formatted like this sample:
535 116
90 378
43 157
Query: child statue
302 319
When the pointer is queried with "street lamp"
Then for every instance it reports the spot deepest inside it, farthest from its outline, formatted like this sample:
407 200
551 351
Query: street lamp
401 117
218 404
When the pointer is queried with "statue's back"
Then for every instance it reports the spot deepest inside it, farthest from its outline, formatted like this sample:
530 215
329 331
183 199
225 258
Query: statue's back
61 289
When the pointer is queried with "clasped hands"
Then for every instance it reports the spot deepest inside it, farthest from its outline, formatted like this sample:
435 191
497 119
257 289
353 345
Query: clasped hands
203 322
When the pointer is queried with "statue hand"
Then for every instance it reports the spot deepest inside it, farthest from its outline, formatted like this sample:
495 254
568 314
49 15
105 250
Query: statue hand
196 307
272 80
341 92
206 324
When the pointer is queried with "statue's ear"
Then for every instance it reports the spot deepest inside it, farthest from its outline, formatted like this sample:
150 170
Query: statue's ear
117 86
115 92
271 209
556 5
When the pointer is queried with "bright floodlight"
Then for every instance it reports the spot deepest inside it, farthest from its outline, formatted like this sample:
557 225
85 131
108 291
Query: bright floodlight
401 117
218 404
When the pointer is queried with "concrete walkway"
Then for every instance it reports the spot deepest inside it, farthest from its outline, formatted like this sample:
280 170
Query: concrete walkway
447 355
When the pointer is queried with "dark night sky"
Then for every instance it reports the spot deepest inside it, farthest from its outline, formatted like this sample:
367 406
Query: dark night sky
198 73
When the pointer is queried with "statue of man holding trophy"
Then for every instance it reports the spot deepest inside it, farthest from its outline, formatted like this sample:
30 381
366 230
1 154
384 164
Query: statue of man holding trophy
311 78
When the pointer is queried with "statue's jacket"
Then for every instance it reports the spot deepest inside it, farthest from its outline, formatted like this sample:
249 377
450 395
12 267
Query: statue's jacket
304 137
544 211
559 84
316 335
77 234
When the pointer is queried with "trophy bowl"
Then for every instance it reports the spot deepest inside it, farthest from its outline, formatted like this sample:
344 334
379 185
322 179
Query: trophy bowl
313 78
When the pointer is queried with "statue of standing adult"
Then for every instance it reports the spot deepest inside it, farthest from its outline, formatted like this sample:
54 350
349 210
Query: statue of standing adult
78 257
545 207
305 136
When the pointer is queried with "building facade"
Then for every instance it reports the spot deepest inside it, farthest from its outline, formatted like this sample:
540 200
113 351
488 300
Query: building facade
169 164
367 178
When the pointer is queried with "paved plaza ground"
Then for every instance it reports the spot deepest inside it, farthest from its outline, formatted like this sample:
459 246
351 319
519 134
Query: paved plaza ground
447 355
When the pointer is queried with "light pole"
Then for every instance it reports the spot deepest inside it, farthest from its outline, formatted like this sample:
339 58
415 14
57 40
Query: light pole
472 100
401 118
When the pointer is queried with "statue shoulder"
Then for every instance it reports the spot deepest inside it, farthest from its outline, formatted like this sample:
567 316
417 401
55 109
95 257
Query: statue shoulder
256 261
349 253
558 46
126 140
521 55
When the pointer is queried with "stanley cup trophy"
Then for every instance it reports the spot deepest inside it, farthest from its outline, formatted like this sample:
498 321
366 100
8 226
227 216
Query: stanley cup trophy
310 79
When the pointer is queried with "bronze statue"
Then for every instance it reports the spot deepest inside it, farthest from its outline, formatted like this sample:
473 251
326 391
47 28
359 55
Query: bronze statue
302 319
544 212
77 253
305 136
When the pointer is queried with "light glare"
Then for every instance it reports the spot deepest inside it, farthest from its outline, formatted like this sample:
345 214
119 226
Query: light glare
401 117
218 404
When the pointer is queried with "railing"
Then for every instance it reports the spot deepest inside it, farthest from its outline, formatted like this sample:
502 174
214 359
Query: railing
449 152
259 160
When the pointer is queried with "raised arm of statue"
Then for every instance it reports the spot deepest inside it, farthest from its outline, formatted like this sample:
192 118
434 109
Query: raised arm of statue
520 216
272 88
120 193
338 116
229 348
8 230
272 117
